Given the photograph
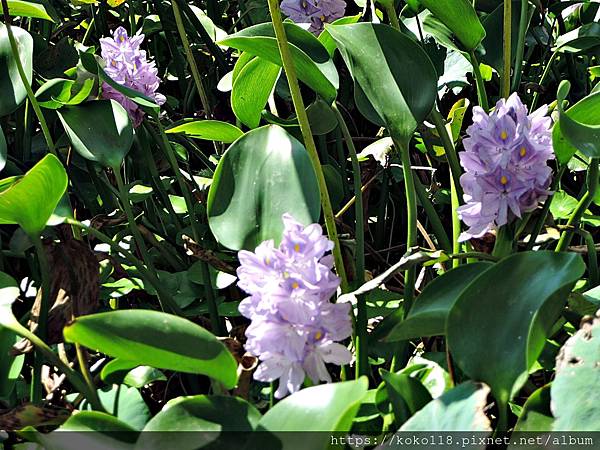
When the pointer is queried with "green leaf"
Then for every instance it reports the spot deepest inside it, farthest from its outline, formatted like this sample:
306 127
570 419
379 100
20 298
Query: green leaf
262 175
562 205
209 130
313 64
155 339
428 315
327 407
10 365
30 200
396 75
536 414
406 395
580 40
326 39
493 24
26 9
251 89
578 128
11 86
575 400
142 376
227 420
511 307
9 292
100 131
459 409
460 17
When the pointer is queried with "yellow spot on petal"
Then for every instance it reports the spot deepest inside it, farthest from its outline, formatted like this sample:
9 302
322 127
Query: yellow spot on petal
503 180
286 274
318 335
297 247
114 64
503 135
523 151
122 39
322 18
295 285
267 260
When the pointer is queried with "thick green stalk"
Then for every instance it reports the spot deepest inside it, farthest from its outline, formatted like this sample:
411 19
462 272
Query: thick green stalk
481 93
217 324
290 72
25 81
584 203
542 218
390 10
523 25
46 286
454 204
507 47
191 60
411 219
592 257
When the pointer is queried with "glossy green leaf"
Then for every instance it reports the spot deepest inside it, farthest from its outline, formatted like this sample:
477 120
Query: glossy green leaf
142 376
31 200
313 64
511 307
209 130
327 407
3 150
405 394
460 17
578 128
262 175
459 409
536 414
26 9
428 315
100 131
9 292
11 86
581 39
326 39
226 420
251 90
575 400
10 365
155 339
396 75
58 92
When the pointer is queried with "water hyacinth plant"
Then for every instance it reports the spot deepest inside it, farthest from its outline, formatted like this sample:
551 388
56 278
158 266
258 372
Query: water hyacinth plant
229 221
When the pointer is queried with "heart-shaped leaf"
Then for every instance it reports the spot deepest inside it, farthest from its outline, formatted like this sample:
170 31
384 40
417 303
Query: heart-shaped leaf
313 63
11 86
100 131
511 307
460 17
578 128
428 315
395 75
263 175
29 201
155 339
209 130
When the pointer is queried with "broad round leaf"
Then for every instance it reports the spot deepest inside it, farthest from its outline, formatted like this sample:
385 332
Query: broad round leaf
209 130
263 175
536 414
30 200
428 315
575 398
578 128
155 339
511 307
395 75
11 87
100 131
313 64
459 409
460 17
228 419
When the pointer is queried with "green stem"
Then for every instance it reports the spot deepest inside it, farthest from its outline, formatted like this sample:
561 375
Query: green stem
523 25
504 242
592 257
146 274
42 320
454 203
390 10
217 324
25 81
290 71
411 219
449 148
85 372
481 93
191 60
582 206
507 47
545 74
434 219
542 218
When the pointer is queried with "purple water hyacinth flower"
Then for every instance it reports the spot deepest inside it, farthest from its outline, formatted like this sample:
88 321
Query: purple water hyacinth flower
505 162
315 12
128 65
295 329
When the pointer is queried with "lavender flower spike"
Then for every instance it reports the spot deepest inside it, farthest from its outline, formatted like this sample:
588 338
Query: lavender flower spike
127 65
295 328
315 12
505 162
